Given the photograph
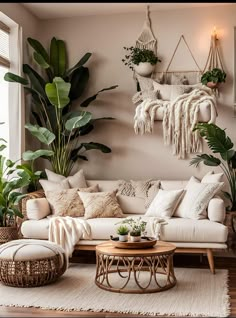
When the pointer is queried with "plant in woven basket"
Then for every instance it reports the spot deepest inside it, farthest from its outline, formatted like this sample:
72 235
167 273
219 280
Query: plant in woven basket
12 180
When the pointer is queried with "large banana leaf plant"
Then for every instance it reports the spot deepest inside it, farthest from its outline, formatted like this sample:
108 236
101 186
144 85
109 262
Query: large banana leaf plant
52 96
11 180
219 143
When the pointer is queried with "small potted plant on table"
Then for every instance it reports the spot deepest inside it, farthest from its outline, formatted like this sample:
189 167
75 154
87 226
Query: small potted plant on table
143 61
123 232
137 228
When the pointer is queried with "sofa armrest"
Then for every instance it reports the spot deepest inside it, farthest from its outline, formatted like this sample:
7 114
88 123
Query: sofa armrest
216 210
32 195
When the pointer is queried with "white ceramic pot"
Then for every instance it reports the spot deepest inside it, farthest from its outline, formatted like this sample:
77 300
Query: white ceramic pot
144 68
123 238
135 238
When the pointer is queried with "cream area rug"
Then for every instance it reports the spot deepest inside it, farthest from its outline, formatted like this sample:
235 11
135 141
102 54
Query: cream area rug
197 293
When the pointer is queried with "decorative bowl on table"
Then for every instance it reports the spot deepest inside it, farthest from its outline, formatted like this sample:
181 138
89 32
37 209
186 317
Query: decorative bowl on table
146 242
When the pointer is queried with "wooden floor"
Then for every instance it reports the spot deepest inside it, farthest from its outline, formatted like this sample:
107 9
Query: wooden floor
89 257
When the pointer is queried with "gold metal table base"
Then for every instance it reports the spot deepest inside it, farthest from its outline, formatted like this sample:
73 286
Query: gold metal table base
129 268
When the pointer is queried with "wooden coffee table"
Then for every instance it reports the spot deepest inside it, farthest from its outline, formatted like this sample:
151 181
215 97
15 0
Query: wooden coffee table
147 270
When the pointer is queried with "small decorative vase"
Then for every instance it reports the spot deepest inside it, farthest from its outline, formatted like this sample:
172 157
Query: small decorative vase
135 238
123 238
144 68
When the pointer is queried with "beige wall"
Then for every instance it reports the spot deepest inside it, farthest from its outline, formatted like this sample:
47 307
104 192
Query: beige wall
135 156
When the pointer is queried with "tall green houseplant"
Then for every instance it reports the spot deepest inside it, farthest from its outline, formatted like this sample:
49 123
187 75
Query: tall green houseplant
56 125
220 144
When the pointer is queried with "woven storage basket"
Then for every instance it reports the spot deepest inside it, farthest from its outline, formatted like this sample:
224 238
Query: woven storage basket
8 234
31 273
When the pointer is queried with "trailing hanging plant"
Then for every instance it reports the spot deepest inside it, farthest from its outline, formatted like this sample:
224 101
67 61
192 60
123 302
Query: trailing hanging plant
57 126
215 76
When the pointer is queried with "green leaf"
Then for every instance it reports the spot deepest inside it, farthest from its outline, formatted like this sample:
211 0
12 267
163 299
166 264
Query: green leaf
10 77
40 60
57 92
41 133
79 80
37 46
54 56
92 98
32 155
228 155
78 121
37 82
95 145
10 163
61 57
227 195
81 62
208 160
2 147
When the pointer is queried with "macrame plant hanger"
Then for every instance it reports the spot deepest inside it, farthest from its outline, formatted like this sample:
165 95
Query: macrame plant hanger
214 59
146 39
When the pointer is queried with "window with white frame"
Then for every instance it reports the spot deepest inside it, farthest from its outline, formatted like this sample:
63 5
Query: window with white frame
4 85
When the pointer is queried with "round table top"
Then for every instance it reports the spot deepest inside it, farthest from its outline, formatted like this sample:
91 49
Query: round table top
159 248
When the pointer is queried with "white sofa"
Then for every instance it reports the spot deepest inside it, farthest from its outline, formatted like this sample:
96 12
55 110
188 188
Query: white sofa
190 236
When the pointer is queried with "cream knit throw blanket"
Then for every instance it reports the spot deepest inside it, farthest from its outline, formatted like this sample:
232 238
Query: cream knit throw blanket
181 116
67 232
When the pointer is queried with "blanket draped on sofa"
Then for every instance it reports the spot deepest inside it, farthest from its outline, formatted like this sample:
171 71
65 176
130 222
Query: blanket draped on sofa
67 231
180 117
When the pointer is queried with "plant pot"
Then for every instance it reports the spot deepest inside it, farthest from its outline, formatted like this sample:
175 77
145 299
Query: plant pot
212 85
123 238
135 238
144 68
230 222
8 233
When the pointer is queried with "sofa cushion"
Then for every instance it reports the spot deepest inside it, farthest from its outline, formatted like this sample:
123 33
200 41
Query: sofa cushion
100 205
50 185
177 229
37 209
164 203
75 181
173 184
216 210
131 205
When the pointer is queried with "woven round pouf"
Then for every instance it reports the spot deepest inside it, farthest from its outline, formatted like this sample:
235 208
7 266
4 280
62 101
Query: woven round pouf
31 263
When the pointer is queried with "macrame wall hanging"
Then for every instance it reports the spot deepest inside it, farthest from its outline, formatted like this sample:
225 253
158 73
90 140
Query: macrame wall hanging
146 39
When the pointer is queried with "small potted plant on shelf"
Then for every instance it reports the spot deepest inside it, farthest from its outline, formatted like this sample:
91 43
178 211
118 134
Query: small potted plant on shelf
137 228
123 232
213 78
142 61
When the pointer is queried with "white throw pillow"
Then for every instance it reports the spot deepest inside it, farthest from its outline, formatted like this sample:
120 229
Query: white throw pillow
164 203
196 198
212 177
37 209
50 185
164 90
75 181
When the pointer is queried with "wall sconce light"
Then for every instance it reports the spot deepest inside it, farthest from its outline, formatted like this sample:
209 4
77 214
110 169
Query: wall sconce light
214 34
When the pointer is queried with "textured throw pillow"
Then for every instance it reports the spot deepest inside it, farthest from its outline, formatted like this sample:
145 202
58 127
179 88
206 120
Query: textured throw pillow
37 209
164 203
152 192
141 187
164 90
196 198
126 188
75 181
101 205
179 79
50 185
68 202
177 90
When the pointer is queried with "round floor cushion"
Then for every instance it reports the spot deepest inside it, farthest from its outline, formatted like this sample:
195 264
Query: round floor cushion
31 263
